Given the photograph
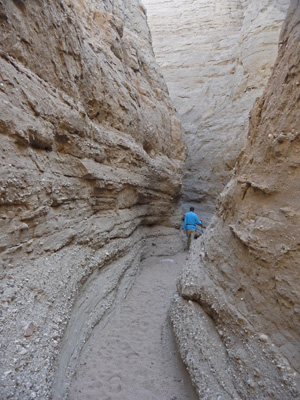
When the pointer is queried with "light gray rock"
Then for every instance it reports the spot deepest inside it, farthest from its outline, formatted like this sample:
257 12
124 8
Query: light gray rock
28 329
216 57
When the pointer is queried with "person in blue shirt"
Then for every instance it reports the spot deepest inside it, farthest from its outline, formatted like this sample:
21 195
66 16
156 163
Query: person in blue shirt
189 226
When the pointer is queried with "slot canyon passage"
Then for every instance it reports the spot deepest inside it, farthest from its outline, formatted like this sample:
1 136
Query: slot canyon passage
99 300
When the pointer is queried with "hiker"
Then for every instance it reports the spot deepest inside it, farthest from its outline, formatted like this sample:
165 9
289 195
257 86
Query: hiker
189 226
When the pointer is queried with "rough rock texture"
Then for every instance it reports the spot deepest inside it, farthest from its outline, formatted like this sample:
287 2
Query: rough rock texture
216 57
91 162
242 280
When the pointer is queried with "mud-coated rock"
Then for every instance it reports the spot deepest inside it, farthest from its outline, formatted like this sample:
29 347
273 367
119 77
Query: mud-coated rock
91 161
244 272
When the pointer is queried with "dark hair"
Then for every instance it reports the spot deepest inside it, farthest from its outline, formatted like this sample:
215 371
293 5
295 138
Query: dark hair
192 208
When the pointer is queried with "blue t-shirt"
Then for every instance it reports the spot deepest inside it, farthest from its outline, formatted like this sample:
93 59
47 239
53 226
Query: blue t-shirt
190 221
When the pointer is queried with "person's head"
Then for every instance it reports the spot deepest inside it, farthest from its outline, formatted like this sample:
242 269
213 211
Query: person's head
192 209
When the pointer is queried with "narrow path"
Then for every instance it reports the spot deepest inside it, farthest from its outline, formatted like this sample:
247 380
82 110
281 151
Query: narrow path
134 356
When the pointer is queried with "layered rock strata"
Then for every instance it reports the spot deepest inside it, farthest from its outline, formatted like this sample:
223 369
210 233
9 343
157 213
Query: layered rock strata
91 168
237 314
216 57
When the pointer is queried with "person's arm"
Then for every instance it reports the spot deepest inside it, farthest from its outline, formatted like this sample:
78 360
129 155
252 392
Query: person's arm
197 221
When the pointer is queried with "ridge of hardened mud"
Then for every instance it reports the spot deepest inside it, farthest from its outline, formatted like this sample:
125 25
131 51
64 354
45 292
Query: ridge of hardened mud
100 294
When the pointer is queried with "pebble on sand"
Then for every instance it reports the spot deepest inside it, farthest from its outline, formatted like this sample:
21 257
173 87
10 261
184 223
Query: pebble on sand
28 329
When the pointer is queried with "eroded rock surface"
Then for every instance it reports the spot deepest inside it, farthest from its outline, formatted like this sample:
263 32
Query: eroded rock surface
216 57
243 275
91 162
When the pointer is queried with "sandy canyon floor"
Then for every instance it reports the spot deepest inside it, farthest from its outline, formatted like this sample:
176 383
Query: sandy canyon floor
133 357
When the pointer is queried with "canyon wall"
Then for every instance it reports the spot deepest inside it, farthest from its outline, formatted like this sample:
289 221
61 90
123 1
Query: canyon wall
237 315
216 57
91 168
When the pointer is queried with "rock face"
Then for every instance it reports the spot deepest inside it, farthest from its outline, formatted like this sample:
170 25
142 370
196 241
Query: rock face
91 169
239 293
216 57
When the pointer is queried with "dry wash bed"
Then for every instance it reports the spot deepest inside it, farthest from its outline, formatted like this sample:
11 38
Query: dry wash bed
134 357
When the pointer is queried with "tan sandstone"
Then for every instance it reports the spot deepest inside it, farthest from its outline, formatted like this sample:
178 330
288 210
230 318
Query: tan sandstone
236 316
91 169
